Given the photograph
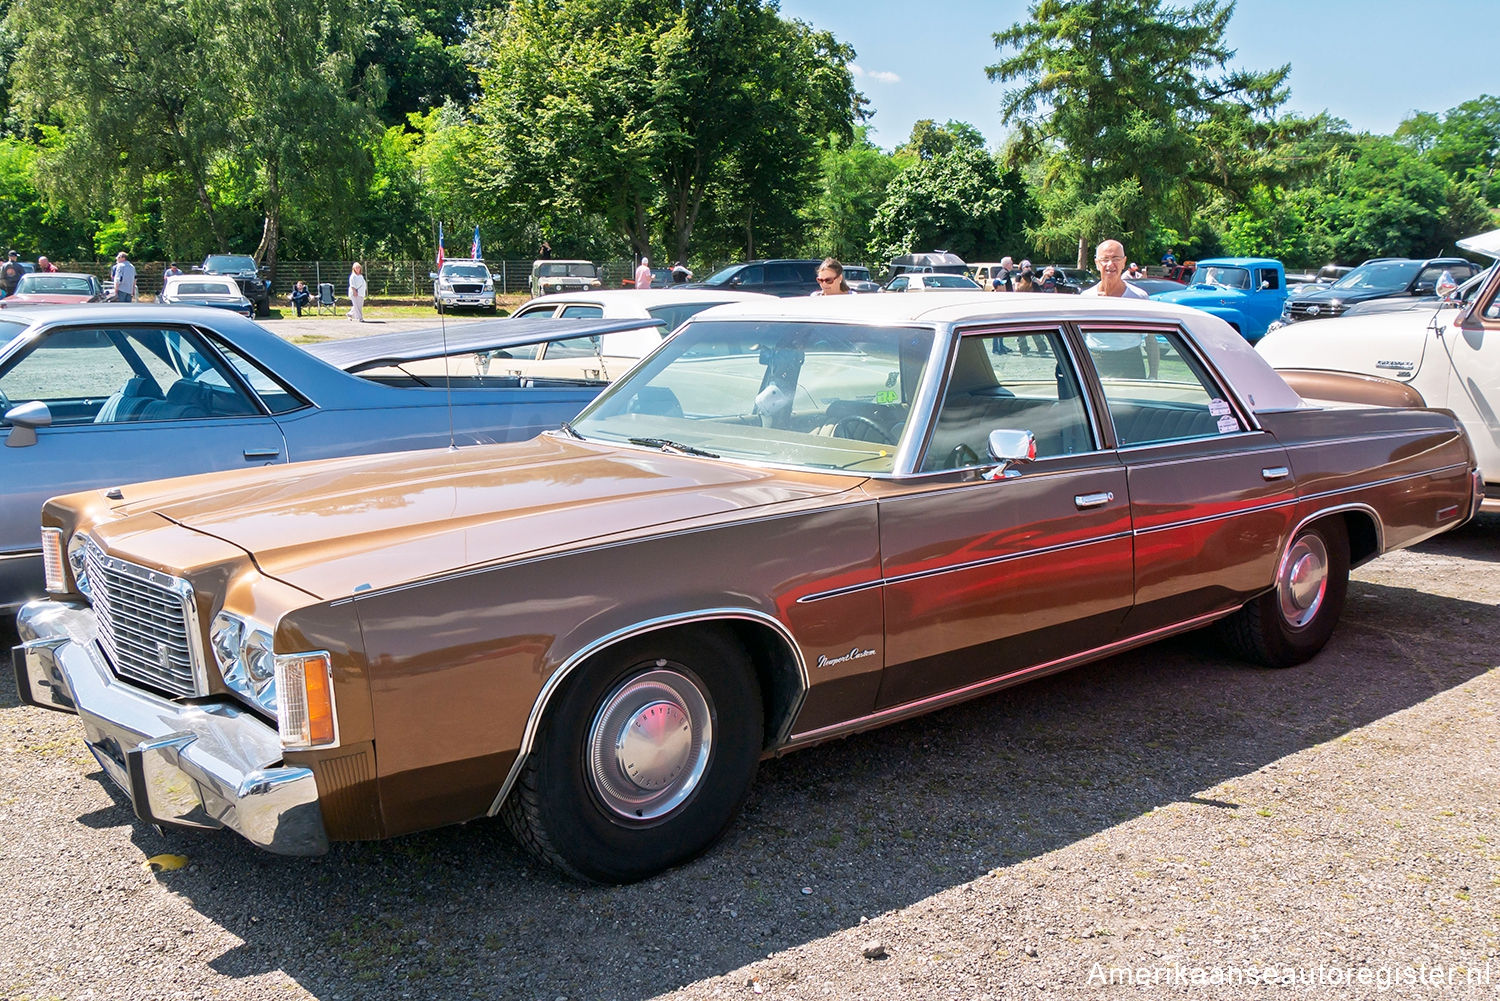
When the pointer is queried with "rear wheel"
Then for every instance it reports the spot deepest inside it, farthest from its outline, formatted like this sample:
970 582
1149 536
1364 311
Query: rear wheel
1291 622
644 759
438 305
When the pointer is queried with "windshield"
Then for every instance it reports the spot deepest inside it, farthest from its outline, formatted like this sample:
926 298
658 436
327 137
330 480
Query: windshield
1218 274
567 269
49 284
815 395
947 281
1379 275
204 288
465 271
723 275
854 274
228 262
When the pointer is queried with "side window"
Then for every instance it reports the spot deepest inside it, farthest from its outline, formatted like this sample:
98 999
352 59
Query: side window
543 309
276 395
899 284
105 376
751 275
1268 279
1022 382
783 272
1155 390
584 311
573 347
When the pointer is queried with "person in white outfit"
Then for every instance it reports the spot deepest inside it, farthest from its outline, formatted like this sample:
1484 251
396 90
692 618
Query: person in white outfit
357 289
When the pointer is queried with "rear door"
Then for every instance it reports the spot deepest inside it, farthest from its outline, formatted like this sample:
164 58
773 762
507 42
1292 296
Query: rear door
993 579
1212 496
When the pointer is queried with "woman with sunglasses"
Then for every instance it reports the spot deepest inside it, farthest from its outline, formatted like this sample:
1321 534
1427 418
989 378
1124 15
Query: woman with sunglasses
831 278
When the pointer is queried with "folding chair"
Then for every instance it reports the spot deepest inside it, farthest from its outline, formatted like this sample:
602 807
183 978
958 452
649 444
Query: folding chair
325 301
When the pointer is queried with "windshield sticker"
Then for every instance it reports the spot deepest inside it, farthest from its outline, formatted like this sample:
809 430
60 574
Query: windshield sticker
887 396
1218 408
1228 424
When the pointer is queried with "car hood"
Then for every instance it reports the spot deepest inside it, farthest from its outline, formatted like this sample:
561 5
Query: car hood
1390 345
1331 294
1203 296
340 526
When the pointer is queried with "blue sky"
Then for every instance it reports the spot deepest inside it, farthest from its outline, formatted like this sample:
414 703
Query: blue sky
1370 62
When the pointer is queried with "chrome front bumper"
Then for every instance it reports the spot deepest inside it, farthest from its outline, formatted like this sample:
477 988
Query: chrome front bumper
208 764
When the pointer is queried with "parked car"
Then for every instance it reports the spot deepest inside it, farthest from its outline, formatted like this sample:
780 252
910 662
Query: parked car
1377 279
246 274
1417 303
54 288
1155 286
205 290
859 280
783 277
1445 355
1326 275
794 520
107 394
1071 280
463 282
937 261
660 278
563 276
1248 293
912 281
608 356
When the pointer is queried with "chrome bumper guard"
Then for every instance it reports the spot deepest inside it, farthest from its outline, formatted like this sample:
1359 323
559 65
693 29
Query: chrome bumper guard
210 764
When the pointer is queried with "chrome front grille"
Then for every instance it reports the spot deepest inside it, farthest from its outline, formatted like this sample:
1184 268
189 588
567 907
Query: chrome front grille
146 623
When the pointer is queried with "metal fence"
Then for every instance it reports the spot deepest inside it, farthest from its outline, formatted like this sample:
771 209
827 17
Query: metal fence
387 279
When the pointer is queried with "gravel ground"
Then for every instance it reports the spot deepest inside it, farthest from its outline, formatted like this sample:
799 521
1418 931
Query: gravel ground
1171 813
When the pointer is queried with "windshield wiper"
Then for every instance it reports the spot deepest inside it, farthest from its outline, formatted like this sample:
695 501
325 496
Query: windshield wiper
674 446
568 430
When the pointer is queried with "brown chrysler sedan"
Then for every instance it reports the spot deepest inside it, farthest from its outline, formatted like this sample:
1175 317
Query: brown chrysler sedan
794 520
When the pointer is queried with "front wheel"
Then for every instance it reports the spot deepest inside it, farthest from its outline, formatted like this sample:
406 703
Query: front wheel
644 760
1291 622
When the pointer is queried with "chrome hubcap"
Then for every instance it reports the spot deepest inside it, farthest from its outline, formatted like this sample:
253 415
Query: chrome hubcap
1302 580
649 743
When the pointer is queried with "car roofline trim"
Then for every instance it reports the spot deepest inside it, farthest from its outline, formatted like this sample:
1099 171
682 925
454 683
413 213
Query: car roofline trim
598 645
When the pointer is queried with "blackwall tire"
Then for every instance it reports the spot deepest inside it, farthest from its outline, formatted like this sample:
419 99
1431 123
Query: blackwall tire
644 758
1291 622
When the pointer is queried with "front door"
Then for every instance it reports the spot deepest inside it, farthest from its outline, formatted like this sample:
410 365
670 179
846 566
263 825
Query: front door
994 579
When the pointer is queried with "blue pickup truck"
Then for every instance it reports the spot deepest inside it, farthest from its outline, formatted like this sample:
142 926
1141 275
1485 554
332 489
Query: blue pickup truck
1248 293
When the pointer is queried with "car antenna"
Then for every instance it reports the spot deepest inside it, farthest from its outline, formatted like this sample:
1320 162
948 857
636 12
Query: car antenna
443 333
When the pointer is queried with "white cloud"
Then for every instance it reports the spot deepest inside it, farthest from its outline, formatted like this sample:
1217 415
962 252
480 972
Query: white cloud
879 76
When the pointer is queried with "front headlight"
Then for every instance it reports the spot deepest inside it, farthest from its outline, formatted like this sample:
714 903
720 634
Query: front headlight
489 284
295 688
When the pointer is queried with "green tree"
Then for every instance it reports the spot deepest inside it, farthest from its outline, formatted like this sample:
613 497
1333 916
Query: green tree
1464 142
635 110
233 107
853 180
960 202
1130 110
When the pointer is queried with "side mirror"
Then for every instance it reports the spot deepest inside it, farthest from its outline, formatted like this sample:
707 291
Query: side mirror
432 275
1009 448
24 420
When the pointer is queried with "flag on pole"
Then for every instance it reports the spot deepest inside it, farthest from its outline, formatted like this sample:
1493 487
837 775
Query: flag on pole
474 250
440 247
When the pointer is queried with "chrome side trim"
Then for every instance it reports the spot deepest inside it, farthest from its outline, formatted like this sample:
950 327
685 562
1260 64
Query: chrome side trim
978 688
957 567
1325 512
1206 519
1380 483
539 708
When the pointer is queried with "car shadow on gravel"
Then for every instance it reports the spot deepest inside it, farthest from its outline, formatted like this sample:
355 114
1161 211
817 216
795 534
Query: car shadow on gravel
853 829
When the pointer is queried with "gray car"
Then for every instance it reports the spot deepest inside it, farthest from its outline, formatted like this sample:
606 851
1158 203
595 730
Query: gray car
105 395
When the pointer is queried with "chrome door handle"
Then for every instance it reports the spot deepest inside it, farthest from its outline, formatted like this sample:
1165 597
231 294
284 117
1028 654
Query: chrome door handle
1275 473
1082 501
262 453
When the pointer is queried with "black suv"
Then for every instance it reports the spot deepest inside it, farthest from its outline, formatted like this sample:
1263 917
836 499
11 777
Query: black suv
246 274
781 277
1378 278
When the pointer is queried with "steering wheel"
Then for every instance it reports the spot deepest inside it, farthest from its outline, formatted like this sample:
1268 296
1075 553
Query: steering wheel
850 427
961 456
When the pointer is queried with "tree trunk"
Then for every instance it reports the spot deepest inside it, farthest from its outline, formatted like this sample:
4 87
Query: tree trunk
1080 253
270 233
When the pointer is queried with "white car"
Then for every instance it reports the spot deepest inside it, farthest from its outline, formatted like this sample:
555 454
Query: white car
463 282
1447 355
928 281
604 358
